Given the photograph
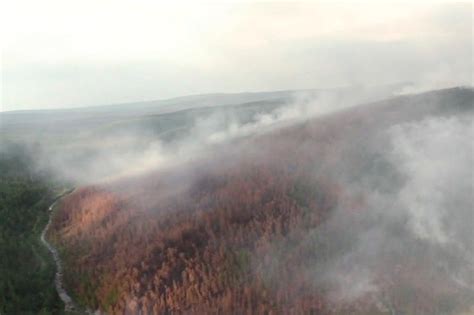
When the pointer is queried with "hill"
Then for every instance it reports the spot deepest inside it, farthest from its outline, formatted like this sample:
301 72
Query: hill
312 217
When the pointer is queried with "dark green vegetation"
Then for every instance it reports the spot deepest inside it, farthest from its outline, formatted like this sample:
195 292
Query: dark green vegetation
26 268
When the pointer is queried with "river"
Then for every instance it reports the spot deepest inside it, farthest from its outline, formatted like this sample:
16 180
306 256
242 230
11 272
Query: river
69 305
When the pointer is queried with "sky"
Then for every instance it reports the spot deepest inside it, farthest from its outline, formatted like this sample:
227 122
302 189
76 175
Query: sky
60 54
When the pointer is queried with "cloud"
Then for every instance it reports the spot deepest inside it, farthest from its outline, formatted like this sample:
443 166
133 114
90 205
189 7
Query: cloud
58 55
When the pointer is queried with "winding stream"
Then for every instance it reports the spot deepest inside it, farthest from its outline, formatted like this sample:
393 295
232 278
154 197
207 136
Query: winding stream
58 279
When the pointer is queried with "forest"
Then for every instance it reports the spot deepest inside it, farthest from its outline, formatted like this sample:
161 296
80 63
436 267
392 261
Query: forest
256 157
256 228
26 269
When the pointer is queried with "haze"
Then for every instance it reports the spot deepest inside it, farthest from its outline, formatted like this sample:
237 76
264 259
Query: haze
244 157
59 54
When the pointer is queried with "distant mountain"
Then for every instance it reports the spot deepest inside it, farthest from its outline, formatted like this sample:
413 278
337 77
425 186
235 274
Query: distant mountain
21 124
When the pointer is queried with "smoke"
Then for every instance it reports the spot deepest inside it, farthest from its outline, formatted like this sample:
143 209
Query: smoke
120 148
418 207
303 106
404 216
212 131
442 77
407 180
437 156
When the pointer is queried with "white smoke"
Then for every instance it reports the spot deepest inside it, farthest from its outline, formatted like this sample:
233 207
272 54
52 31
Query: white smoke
437 157
89 158
429 203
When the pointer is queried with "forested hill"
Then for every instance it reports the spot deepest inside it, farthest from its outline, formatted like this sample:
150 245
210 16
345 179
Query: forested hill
26 269
309 218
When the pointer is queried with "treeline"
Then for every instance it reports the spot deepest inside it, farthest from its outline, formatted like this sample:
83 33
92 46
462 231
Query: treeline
26 269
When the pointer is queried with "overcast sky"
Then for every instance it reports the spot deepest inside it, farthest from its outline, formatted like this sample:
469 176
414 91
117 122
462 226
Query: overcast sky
58 53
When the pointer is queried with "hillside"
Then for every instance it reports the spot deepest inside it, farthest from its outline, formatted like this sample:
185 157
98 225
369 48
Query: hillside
85 145
26 270
61 125
299 219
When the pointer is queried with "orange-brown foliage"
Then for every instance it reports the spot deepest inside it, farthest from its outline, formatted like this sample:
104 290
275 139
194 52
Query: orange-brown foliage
232 237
